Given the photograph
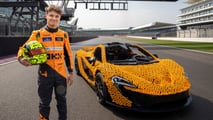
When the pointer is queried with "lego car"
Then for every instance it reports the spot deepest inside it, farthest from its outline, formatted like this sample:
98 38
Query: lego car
129 76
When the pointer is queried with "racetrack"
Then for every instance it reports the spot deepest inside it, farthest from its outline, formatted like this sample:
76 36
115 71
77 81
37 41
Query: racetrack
19 99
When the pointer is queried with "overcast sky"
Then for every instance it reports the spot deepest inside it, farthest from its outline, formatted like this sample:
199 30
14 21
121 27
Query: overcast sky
138 13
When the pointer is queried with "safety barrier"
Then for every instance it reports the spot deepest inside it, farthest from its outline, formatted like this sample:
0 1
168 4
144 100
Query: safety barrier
10 45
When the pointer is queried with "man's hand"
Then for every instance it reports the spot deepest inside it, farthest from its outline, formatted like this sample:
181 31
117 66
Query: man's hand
70 79
24 61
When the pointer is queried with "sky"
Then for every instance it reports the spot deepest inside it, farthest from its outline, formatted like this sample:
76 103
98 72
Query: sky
138 13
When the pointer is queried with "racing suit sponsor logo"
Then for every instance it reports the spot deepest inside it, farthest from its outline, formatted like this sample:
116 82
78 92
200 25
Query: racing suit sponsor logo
54 56
54 48
45 39
59 38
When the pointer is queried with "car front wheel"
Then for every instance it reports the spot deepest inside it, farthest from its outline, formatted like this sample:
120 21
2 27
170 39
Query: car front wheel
76 66
101 89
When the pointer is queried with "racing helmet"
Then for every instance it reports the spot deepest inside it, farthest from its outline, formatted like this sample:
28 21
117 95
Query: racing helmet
34 52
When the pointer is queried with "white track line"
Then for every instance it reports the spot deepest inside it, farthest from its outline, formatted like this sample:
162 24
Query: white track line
8 62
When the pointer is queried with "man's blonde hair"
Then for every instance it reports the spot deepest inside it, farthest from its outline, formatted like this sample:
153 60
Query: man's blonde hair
54 8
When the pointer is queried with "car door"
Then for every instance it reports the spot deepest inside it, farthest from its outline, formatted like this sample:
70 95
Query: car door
98 59
93 62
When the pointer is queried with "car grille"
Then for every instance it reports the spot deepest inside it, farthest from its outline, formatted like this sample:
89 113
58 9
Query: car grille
144 100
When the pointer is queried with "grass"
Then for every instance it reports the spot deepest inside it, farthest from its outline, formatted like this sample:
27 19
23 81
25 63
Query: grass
201 46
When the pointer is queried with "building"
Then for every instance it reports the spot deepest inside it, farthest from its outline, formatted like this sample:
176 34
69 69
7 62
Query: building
196 20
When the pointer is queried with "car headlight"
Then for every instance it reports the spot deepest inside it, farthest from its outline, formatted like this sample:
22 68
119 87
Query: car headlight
118 81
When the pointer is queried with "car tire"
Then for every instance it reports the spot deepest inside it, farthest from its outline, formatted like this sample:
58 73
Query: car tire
76 66
101 89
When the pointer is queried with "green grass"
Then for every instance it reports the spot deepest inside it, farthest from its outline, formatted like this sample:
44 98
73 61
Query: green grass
201 46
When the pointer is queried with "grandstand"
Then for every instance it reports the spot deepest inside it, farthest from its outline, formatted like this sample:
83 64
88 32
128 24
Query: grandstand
20 18
155 29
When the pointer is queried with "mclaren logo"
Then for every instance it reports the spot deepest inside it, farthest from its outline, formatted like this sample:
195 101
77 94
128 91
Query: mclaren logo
54 56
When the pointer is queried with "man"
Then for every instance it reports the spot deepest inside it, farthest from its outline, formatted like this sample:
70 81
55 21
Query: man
52 73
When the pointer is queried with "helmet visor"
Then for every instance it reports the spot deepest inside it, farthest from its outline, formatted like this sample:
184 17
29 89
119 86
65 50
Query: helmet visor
37 51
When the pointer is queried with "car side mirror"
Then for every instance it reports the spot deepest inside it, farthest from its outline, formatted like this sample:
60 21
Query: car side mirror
92 60
156 55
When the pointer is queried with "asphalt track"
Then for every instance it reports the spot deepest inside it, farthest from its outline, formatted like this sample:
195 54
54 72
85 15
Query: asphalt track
19 99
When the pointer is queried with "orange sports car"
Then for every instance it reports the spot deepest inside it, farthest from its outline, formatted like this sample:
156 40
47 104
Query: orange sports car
129 76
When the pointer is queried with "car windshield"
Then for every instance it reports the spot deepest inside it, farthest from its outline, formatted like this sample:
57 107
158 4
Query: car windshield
128 54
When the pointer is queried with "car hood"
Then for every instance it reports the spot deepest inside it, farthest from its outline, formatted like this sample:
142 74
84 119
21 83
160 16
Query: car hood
162 78
156 73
